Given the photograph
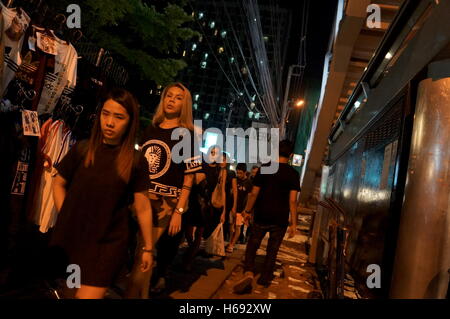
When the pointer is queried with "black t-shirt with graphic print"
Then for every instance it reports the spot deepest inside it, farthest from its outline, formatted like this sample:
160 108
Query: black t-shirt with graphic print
243 187
166 176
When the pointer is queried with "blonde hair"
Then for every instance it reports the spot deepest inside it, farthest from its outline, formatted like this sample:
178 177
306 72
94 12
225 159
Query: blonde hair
185 118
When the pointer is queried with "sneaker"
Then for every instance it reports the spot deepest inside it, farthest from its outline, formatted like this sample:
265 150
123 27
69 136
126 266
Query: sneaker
263 282
244 284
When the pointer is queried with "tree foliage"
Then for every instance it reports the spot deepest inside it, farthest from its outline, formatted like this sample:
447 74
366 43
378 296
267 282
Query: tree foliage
146 34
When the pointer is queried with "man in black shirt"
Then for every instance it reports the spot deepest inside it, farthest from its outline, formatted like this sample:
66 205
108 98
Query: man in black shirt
273 196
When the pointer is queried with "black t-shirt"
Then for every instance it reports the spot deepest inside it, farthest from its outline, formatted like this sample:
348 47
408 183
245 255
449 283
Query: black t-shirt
244 187
166 176
272 204
92 226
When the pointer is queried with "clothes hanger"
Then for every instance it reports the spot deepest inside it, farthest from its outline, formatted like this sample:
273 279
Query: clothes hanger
59 20
76 36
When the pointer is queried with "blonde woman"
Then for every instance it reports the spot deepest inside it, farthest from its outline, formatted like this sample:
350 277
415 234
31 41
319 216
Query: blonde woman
170 180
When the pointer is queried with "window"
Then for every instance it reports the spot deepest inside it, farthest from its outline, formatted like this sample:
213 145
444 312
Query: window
197 96
206 116
212 24
257 115
194 46
250 114
216 32
201 15
223 34
221 49
184 53
232 60
222 109
195 106
206 56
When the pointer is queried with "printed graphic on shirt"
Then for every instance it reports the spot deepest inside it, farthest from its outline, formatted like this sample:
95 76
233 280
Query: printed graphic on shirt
46 43
64 76
193 164
20 180
164 190
14 26
158 157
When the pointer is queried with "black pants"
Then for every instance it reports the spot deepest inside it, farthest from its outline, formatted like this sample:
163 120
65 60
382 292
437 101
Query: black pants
276 238
167 248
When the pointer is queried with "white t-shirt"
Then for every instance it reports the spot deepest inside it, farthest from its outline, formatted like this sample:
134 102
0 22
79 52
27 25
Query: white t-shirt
64 77
14 27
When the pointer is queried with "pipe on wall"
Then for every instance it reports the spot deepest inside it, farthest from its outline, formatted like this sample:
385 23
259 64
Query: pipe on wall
423 249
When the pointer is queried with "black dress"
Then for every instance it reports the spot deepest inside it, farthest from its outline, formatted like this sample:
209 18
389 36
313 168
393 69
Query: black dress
92 226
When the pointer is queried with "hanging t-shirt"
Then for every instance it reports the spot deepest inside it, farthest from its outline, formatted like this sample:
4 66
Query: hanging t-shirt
25 89
166 176
15 23
56 148
272 203
2 52
63 76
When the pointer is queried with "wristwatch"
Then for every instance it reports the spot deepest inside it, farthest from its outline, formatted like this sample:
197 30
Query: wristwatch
179 210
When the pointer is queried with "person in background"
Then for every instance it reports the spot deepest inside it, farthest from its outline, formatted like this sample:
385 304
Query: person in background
255 170
274 198
249 222
230 198
195 220
212 171
244 187
92 187
170 182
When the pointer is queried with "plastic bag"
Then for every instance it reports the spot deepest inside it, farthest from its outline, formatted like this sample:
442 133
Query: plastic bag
215 244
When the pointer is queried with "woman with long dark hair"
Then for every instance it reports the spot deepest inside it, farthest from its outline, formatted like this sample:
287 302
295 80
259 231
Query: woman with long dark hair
171 178
93 187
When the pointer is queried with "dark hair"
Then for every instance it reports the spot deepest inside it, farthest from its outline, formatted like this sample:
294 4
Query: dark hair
286 148
241 167
125 159
255 166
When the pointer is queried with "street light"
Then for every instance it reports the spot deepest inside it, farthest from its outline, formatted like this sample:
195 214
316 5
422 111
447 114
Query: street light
299 103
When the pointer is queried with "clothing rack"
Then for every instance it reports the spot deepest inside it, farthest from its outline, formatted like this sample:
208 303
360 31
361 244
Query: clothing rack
41 13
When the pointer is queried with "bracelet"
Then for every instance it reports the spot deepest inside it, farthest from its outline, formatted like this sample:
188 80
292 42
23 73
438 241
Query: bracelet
147 250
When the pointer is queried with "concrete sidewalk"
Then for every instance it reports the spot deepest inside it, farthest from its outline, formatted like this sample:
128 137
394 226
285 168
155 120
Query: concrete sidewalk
213 278
294 277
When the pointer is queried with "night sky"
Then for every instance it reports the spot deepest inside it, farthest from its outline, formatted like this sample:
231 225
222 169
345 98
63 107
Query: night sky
321 16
